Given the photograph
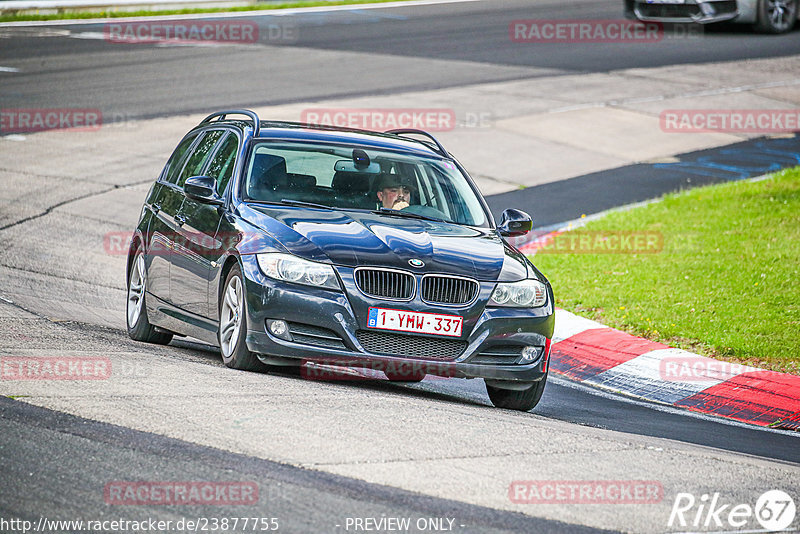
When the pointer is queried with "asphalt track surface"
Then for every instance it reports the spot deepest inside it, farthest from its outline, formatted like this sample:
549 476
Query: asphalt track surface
64 446
396 50
60 460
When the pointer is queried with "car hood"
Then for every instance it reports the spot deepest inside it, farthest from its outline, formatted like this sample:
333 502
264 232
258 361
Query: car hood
355 238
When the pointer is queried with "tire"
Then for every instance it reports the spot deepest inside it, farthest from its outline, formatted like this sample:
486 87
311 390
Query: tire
403 372
139 327
233 325
776 16
517 399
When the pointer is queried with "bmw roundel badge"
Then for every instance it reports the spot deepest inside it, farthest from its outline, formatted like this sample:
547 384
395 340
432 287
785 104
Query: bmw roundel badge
414 262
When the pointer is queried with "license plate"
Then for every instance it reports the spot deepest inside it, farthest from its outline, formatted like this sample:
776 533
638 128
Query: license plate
419 322
666 1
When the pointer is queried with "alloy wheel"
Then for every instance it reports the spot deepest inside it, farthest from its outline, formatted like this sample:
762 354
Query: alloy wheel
136 289
781 13
231 316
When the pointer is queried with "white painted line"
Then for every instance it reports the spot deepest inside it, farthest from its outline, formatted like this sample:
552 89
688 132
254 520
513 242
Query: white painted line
54 4
574 224
237 14
8 69
99 36
578 107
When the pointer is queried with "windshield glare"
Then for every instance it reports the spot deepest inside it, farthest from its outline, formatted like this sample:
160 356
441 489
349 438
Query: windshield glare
351 178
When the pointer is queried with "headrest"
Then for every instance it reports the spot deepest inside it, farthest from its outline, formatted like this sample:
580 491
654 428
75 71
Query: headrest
353 182
395 180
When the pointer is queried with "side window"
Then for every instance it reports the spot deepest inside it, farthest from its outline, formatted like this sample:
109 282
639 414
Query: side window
198 157
174 163
221 167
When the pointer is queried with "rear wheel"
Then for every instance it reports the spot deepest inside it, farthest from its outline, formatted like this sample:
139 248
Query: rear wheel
139 327
233 325
776 16
524 399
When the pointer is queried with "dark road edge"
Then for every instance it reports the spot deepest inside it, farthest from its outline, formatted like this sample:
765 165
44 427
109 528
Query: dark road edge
153 444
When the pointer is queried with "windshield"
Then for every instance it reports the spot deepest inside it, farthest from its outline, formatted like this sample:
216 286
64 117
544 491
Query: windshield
349 178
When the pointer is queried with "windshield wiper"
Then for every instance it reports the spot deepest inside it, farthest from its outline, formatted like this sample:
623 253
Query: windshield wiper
409 214
304 204
290 202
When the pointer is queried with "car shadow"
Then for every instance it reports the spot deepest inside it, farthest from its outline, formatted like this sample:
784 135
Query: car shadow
731 28
209 354
378 384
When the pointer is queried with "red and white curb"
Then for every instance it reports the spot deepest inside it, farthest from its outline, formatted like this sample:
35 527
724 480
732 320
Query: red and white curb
589 352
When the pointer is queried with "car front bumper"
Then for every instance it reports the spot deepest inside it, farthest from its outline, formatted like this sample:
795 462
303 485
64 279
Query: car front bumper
329 327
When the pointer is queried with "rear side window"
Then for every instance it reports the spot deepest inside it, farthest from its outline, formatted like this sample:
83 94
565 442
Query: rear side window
221 167
174 163
200 154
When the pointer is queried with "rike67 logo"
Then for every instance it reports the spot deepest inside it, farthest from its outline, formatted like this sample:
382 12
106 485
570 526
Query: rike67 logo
774 510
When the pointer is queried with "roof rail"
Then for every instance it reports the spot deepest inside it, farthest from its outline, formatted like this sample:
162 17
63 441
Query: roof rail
440 149
223 114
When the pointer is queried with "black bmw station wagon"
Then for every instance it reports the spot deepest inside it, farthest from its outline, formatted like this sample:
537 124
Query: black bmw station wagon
295 244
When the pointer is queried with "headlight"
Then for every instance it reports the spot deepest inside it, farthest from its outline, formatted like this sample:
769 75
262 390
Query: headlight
299 271
523 294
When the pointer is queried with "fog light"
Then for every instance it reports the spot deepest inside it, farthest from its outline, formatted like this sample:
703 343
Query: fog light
529 354
279 329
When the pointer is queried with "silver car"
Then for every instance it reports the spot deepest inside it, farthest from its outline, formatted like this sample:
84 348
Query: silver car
767 16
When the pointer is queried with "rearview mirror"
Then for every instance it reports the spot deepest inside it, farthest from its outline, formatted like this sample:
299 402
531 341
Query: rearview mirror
202 189
514 223
346 165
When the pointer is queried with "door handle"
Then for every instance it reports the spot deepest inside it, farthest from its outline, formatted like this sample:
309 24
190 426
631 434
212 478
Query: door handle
180 219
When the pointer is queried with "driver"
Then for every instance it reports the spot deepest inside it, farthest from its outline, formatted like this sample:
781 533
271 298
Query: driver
394 191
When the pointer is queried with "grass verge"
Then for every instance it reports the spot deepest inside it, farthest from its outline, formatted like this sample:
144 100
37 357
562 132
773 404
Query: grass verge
725 283
75 15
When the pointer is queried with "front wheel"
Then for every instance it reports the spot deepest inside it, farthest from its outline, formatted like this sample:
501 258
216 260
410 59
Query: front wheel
233 325
139 327
776 16
524 399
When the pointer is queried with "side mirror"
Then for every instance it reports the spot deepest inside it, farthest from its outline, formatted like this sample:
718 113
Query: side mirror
514 223
202 189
